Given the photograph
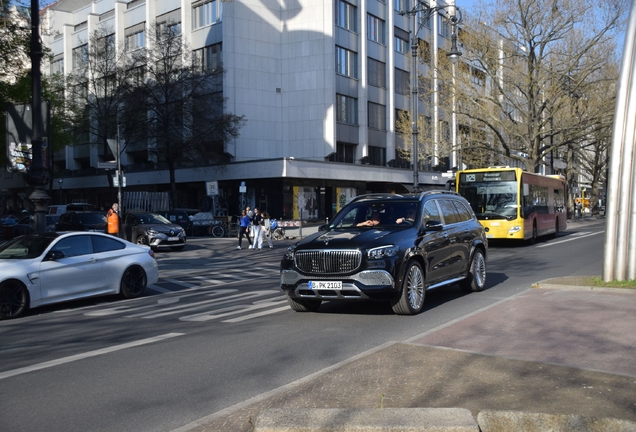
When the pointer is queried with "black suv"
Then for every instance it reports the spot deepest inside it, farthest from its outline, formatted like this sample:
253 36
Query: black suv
81 221
388 247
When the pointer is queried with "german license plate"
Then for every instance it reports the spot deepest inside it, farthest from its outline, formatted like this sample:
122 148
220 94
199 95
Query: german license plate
327 285
173 238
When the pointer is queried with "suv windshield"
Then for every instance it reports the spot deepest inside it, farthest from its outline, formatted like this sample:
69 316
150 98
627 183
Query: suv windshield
91 218
150 218
369 213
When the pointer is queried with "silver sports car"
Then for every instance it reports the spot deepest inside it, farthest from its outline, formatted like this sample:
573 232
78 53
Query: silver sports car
39 269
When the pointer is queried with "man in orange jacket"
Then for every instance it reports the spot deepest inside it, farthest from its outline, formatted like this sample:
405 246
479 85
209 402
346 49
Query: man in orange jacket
113 220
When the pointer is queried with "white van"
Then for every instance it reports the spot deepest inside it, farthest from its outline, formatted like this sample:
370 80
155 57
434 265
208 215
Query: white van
56 209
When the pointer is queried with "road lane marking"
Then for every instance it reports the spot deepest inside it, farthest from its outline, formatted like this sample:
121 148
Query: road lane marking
569 239
85 355
232 310
203 304
258 314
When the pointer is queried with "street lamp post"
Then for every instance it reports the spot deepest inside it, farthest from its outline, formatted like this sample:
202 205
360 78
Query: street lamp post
424 12
37 175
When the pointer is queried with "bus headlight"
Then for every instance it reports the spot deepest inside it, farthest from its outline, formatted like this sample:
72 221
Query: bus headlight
514 230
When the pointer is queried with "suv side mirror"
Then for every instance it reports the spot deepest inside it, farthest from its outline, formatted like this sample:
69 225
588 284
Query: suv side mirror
323 227
433 225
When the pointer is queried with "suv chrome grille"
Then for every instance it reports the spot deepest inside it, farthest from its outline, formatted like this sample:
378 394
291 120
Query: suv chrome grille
328 261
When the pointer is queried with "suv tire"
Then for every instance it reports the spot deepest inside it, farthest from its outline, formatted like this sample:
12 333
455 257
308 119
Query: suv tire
411 299
476 279
303 305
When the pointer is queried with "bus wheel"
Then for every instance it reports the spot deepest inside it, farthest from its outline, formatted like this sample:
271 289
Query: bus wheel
533 239
556 228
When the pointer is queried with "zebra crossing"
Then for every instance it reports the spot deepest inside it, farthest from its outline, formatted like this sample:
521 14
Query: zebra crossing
212 293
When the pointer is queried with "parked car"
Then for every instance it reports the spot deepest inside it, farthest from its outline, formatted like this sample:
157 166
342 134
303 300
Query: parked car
70 266
81 221
388 247
180 216
153 230
26 225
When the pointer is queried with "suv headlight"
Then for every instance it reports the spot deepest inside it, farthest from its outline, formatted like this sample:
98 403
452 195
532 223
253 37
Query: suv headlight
289 253
382 252
152 232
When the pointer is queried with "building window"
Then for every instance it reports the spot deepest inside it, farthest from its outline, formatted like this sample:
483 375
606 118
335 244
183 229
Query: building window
377 116
346 62
402 82
420 17
376 72
208 58
375 29
168 28
401 45
346 16
377 156
346 109
445 132
444 29
345 153
80 56
205 14
401 5
135 41
477 77
57 66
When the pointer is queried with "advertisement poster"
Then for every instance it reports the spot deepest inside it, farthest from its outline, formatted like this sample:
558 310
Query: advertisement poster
345 195
305 203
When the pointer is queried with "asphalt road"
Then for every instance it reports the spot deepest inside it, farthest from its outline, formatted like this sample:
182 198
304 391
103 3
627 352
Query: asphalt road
215 331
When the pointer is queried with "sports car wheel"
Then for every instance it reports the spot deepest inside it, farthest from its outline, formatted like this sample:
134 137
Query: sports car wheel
14 299
411 299
303 305
133 282
476 279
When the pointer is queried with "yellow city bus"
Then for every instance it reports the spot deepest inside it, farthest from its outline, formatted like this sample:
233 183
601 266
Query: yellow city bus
514 204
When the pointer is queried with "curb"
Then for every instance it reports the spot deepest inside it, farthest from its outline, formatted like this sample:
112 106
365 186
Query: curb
571 284
429 419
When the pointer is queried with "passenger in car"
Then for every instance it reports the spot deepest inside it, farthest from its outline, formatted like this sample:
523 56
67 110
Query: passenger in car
375 220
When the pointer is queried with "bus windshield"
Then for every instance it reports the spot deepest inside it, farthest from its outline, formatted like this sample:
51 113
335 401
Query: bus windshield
491 199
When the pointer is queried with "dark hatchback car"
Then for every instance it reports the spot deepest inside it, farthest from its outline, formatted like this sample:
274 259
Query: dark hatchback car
391 248
81 221
26 225
153 230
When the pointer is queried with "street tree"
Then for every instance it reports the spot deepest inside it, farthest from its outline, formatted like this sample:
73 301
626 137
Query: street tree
95 89
176 105
524 65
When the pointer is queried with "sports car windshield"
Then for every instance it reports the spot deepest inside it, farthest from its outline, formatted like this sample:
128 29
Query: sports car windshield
25 247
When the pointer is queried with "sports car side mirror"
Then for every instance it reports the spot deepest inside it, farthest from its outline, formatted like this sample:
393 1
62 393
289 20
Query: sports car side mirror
54 255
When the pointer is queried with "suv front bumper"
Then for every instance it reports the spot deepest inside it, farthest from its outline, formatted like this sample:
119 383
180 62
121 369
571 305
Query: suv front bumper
365 285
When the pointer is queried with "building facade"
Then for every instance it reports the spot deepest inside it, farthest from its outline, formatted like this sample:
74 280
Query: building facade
319 82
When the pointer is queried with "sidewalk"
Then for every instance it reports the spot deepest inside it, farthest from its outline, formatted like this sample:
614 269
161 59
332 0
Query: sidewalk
554 349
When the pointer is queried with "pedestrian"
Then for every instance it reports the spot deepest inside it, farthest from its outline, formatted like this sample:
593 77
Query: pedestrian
267 229
257 222
112 218
250 229
244 224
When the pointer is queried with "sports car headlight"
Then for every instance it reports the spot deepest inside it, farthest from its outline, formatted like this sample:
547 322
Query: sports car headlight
383 252
289 253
